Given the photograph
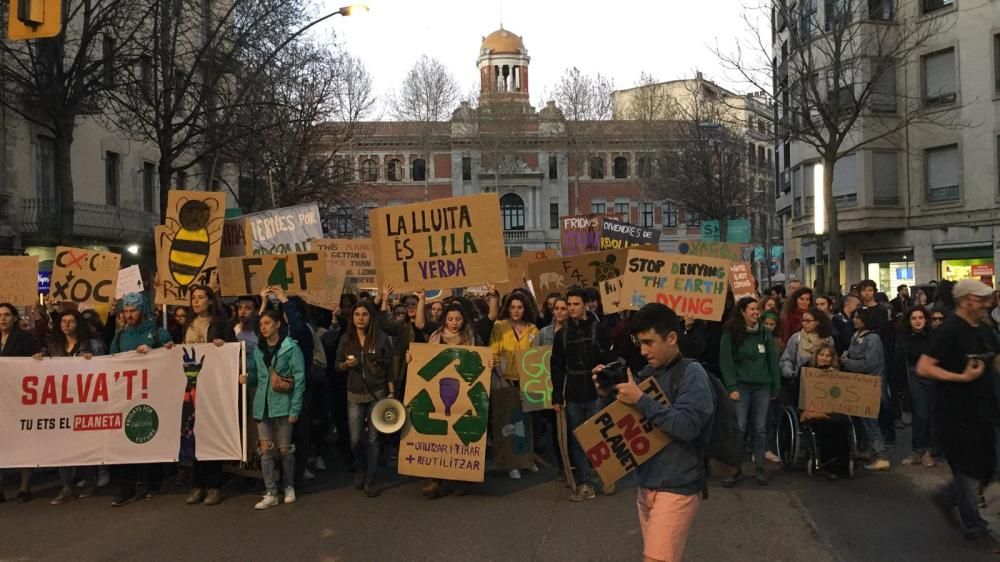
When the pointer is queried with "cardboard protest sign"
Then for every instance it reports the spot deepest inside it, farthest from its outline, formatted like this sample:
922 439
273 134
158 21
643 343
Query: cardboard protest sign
690 285
517 269
580 234
446 243
585 270
129 281
534 371
616 234
234 238
326 294
282 231
354 255
448 399
618 438
297 274
611 295
84 276
836 392
188 243
723 250
19 280
513 445
434 295
742 281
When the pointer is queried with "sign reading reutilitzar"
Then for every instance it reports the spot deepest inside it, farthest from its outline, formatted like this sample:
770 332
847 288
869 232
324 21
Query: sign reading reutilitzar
445 244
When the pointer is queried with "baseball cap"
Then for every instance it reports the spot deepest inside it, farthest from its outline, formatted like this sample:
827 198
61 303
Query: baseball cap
967 287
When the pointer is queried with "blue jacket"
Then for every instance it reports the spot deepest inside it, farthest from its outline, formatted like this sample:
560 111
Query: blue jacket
288 361
680 467
129 338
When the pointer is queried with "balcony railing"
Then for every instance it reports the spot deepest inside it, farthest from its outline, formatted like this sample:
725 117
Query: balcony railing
40 217
516 236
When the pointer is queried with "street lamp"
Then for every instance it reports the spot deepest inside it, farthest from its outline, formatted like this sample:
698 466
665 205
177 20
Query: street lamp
353 9
819 204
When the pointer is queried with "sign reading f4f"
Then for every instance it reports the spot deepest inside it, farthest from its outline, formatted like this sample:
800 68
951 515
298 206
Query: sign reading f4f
295 273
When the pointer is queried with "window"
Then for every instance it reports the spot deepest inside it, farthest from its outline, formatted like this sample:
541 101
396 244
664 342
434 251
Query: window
181 180
108 60
808 25
148 186
466 168
622 210
996 63
845 181
808 189
836 13
597 168
366 210
752 155
935 5
883 93
146 74
886 189
45 169
797 192
112 163
693 218
512 210
553 215
598 206
645 167
760 157
669 214
342 170
553 167
394 170
647 215
621 168
939 77
942 172
343 222
880 10
369 170
418 170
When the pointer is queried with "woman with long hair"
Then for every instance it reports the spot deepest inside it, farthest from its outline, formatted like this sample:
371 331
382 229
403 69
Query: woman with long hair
816 330
560 312
71 338
791 314
15 342
179 322
913 340
365 354
209 325
748 360
865 356
277 368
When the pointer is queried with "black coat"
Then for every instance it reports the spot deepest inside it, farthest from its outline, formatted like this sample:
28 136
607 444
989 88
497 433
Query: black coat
20 344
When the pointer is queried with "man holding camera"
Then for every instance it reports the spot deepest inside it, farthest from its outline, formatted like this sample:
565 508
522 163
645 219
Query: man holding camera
672 481
578 348
962 360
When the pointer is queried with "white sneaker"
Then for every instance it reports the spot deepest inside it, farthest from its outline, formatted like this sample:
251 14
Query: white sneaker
772 458
267 502
103 477
289 495
320 464
534 468
515 474
308 475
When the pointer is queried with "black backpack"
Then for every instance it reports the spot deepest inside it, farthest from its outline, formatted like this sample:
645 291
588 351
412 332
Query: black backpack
724 442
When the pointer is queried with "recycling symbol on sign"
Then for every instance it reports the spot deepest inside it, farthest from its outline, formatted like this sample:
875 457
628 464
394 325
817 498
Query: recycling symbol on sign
471 425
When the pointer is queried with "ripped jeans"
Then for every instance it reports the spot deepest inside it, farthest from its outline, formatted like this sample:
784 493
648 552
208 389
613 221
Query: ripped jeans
277 432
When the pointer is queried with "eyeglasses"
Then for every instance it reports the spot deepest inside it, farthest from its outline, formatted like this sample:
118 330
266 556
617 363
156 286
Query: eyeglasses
937 318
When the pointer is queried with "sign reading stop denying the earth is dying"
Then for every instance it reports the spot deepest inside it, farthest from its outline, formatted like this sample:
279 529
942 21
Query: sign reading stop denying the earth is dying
836 392
448 399
445 244
618 438
690 285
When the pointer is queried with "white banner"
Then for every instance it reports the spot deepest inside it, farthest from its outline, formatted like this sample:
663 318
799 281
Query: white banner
120 409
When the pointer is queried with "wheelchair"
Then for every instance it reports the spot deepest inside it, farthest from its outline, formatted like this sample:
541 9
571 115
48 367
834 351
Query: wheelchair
825 446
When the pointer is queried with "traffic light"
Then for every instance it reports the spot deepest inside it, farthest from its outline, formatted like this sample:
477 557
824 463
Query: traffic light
34 19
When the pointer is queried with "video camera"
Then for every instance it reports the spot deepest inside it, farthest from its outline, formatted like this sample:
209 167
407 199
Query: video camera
612 374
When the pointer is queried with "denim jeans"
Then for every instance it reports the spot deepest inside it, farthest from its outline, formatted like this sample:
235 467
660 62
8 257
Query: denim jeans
576 414
278 433
962 493
365 451
754 401
922 394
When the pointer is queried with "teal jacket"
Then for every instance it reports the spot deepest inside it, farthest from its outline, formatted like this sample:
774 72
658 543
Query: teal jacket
754 363
288 362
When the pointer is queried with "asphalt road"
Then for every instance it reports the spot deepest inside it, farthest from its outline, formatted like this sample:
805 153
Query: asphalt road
882 517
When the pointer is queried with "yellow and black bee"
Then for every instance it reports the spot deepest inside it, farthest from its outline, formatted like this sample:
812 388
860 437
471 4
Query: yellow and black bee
191 240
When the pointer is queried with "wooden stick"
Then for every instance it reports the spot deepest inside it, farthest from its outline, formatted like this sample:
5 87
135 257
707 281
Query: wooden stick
243 422
564 447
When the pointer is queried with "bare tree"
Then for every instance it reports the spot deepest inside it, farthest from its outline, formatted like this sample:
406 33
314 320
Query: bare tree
501 127
53 83
427 97
836 85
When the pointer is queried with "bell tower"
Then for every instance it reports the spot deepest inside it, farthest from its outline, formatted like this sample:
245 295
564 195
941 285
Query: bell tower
503 68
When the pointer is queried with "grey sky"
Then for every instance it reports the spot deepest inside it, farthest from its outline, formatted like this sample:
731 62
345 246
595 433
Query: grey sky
669 39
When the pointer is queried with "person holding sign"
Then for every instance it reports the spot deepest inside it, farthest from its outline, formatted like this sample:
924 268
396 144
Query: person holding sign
748 360
276 367
865 356
15 342
672 481
365 354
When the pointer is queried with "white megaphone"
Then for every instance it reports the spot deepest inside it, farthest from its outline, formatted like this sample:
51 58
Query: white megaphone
388 415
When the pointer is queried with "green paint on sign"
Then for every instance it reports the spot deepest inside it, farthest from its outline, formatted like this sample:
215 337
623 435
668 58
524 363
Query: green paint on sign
470 365
471 427
279 275
835 391
421 407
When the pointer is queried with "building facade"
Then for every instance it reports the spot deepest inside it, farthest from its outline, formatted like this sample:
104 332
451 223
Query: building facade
921 205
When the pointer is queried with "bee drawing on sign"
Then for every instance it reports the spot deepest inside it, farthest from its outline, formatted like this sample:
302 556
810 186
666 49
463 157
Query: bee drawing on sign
190 238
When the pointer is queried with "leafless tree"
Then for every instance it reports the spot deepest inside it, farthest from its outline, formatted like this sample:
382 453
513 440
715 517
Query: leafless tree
427 97
54 83
835 85
501 126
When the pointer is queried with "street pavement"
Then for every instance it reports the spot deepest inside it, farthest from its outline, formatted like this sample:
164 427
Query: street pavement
877 517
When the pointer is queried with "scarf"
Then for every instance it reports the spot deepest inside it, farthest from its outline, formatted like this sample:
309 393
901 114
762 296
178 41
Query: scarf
809 343
268 352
